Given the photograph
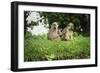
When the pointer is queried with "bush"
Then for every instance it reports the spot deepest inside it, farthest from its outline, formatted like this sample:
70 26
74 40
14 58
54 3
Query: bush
39 48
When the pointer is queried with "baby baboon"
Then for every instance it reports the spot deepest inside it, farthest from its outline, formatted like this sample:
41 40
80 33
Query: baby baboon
67 33
60 32
53 32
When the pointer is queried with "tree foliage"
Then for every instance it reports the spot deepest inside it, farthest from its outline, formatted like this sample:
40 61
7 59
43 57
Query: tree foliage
81 21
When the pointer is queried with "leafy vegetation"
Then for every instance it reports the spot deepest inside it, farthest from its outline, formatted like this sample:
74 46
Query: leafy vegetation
38 48
81 21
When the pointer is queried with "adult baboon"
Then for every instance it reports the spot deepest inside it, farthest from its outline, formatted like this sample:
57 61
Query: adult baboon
53 32
67 33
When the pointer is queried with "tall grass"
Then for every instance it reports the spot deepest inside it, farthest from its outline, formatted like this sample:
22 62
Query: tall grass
39 48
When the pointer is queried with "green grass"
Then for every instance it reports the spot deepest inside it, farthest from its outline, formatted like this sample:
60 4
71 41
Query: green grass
38 48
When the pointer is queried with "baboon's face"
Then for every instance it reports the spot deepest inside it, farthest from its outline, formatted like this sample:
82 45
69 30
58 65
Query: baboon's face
70 26
54 25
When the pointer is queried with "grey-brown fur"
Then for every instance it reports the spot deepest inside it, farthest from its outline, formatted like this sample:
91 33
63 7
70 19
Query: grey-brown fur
67 33
53 32
59 34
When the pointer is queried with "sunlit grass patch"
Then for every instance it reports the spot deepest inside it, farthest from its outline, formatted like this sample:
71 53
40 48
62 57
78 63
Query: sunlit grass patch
39 48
